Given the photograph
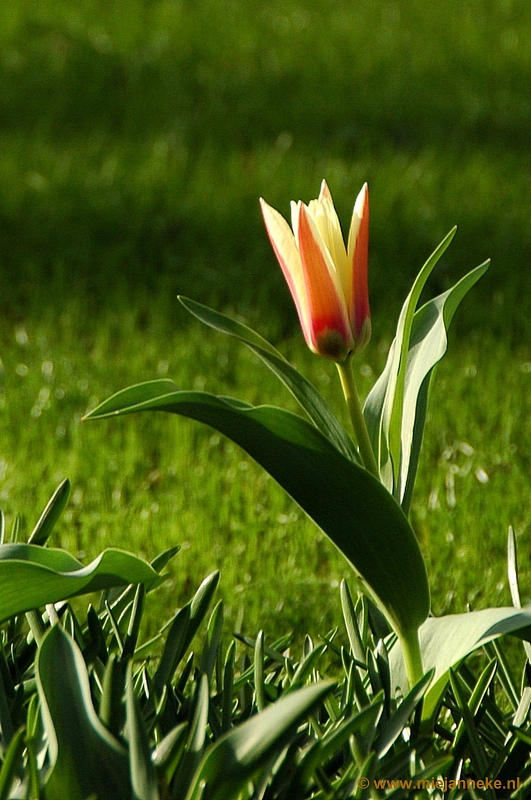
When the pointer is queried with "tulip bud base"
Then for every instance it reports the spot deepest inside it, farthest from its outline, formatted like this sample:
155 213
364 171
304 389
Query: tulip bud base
331 344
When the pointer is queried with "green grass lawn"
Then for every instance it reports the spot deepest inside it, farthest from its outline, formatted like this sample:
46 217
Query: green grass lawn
144 483
135 140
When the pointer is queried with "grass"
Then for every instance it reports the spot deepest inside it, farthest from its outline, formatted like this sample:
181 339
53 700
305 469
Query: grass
134 143
144 483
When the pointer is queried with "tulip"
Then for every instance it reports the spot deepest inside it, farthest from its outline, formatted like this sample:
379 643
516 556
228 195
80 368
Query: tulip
328 282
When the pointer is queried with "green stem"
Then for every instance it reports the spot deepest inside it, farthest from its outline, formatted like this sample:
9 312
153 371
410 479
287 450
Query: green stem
37 626
412 657
348 385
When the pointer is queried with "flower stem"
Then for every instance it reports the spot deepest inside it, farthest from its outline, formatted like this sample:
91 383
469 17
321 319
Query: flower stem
348 385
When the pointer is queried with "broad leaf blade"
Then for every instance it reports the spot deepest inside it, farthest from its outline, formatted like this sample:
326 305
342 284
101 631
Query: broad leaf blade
350 506
308 397
85 758
32 576
446 641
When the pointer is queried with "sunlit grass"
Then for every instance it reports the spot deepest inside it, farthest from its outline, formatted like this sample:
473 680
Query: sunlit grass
134 144
145 483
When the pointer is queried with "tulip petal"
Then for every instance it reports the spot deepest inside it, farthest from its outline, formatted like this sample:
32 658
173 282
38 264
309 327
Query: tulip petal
327 281
325 217
286 251
327 222
358 253
330 333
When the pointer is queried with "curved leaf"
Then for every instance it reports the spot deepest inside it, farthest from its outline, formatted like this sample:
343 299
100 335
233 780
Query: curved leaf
32 576
395 409
51 514
428 344
85 758
233 760
11 763
350 506
142 770
304 392
184 780
445 641
383 407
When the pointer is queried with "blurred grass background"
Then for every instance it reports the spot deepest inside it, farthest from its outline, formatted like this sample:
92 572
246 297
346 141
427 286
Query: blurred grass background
135 140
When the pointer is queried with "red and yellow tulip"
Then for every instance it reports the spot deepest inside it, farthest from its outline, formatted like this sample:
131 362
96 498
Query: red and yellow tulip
328 282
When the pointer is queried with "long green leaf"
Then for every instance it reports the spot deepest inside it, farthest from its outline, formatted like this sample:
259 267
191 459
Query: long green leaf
233 760
360 727
168 752
479 757
395 409
142 771
111 705
512 575
183 629
428 344
32 576
85 758
11 763
212 642
394 726
350 506
383 407
446 641
308 397
51 514
184 780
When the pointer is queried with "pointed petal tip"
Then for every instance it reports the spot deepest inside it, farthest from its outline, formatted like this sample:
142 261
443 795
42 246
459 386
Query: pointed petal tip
324 191
362 199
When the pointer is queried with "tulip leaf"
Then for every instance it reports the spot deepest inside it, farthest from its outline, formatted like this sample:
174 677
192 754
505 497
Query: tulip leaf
237 756
383 407
12 758
32 576
350 505
304 392
428 345
51 514
142 770
395 409
86 760
446 641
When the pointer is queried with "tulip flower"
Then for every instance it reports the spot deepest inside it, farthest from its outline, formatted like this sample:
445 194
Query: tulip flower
328 282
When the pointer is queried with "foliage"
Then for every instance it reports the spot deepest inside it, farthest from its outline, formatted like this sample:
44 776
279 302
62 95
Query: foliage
91 186
363 513
92 710
361 508
88 708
